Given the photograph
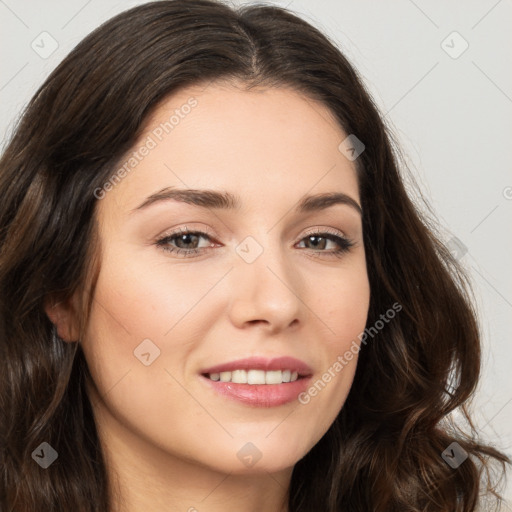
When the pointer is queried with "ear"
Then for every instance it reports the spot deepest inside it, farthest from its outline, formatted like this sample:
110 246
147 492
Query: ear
63 315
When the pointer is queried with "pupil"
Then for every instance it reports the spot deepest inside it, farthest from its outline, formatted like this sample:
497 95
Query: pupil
185 238
312 238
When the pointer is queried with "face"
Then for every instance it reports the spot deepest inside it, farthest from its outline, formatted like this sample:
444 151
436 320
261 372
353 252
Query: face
191 283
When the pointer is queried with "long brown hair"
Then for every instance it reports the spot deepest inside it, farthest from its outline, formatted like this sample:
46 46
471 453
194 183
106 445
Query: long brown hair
384 450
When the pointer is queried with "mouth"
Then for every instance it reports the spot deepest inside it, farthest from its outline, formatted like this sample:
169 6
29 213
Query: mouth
258 381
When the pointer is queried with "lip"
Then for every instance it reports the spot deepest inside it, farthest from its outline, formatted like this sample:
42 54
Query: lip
259 395
263 363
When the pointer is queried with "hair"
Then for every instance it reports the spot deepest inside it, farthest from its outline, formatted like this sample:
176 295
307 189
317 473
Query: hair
383 450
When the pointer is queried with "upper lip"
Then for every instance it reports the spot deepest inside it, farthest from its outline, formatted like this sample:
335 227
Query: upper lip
263 363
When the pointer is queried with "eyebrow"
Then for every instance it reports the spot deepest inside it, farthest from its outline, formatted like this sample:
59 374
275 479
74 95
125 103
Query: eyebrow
225 200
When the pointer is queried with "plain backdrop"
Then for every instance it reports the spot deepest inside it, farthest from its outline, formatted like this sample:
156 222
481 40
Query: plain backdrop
440 73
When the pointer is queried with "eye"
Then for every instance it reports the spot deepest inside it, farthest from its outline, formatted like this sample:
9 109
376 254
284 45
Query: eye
319 240
187 243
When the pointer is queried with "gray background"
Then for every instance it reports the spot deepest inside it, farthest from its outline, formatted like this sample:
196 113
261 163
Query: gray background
449 107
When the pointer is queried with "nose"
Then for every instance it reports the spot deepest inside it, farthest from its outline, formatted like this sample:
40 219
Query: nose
266 291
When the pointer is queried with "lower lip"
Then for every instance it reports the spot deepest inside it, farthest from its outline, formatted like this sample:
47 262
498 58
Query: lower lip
260 395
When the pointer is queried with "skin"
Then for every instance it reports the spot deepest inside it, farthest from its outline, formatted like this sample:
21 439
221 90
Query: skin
171 443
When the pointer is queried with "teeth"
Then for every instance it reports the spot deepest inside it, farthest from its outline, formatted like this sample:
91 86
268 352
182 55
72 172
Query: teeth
238 376
274 377
255 376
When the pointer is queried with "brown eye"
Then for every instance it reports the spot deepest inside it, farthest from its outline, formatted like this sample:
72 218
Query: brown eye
318 242
184 242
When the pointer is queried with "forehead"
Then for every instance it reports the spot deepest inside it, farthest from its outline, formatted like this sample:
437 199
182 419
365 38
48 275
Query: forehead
272 144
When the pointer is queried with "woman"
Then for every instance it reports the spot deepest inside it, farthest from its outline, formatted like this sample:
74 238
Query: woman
216 293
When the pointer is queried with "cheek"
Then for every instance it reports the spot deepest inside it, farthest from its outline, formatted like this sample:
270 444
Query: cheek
146 299
343 306
140 309
343 312
135 367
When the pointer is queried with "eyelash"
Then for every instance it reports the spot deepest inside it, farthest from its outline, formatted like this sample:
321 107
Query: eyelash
344 243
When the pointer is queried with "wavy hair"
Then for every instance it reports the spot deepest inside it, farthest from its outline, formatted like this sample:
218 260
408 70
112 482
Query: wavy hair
383 451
